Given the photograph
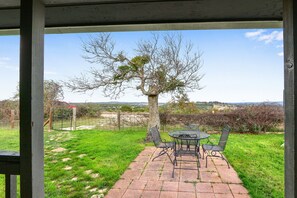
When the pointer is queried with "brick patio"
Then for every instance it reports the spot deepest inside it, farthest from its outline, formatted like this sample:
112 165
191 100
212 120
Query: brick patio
152 179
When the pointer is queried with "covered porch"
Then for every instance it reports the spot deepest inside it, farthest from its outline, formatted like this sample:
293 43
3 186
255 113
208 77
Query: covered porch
32 18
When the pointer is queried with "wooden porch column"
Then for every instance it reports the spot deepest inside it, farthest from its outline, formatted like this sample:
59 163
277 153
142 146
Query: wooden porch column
31 99
290 96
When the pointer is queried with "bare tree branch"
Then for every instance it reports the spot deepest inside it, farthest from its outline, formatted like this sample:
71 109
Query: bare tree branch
162 64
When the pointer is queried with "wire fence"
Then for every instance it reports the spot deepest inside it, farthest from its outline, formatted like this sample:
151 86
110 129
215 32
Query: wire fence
8 124
246 119
106 121
63 119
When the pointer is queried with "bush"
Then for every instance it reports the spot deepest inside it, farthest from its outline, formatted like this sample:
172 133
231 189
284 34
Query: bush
88 110
126 108
245 119
62 113
257 118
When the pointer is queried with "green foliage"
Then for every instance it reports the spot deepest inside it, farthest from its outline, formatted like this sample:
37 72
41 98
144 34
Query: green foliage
62 113
139 61
126 108
174 84
180 104
88 110
125 72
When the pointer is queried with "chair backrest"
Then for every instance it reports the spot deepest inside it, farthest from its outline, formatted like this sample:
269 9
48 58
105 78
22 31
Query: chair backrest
224 137
155 134
192 126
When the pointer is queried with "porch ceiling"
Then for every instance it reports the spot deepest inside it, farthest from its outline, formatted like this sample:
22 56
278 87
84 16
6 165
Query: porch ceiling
112 15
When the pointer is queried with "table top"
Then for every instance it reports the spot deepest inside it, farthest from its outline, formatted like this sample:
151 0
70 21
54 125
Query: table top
195 134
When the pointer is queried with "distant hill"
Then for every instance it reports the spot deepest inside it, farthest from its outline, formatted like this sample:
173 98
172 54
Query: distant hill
199 103
116 103
279 103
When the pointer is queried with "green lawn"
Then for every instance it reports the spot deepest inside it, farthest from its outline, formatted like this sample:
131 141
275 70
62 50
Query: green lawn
259 162
94 160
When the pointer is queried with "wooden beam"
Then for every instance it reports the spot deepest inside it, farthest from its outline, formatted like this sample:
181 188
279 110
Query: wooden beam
31 98
290 96
98 13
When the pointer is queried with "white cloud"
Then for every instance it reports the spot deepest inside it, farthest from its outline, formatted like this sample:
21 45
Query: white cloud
273 36
260 35
254 34
279 46
280 54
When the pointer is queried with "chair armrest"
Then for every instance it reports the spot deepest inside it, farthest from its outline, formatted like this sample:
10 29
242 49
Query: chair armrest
167 143
210 141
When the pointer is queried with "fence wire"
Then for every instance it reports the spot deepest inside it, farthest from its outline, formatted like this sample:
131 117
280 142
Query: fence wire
106 121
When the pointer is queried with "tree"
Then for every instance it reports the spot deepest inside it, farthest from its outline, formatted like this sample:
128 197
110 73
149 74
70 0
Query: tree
53 92
159 66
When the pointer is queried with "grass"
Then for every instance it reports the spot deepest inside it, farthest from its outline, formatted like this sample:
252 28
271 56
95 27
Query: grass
9 139
96 159
259 162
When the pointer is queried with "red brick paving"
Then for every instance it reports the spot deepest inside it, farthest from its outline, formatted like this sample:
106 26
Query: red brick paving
237 189
186 195
221 188
170 186
150 194
205 195
204 188
153 179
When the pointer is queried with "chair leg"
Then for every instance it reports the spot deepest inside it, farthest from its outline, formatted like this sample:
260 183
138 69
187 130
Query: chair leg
224 158
198 167
203 153
206 160
164 151
160 154
169 157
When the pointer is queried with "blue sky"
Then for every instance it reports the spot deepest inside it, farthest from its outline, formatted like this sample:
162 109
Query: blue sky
239 65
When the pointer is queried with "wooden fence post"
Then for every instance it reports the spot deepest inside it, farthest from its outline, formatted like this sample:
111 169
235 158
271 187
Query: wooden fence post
74 118
50 124
119 120
12 114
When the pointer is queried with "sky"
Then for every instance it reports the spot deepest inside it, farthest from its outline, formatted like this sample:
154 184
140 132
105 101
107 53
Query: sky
238 65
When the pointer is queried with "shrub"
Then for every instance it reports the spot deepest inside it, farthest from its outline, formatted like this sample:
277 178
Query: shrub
62 113
126 108
88 110
257 118
244 119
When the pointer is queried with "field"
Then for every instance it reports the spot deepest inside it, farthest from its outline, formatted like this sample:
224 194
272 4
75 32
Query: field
88 162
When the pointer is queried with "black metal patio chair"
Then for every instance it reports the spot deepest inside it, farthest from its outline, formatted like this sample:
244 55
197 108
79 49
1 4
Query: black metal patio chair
192 126
159 143
211 150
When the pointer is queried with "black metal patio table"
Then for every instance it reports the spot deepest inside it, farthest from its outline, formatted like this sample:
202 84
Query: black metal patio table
187 143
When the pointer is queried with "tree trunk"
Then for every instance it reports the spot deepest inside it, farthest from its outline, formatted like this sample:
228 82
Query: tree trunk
154 118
